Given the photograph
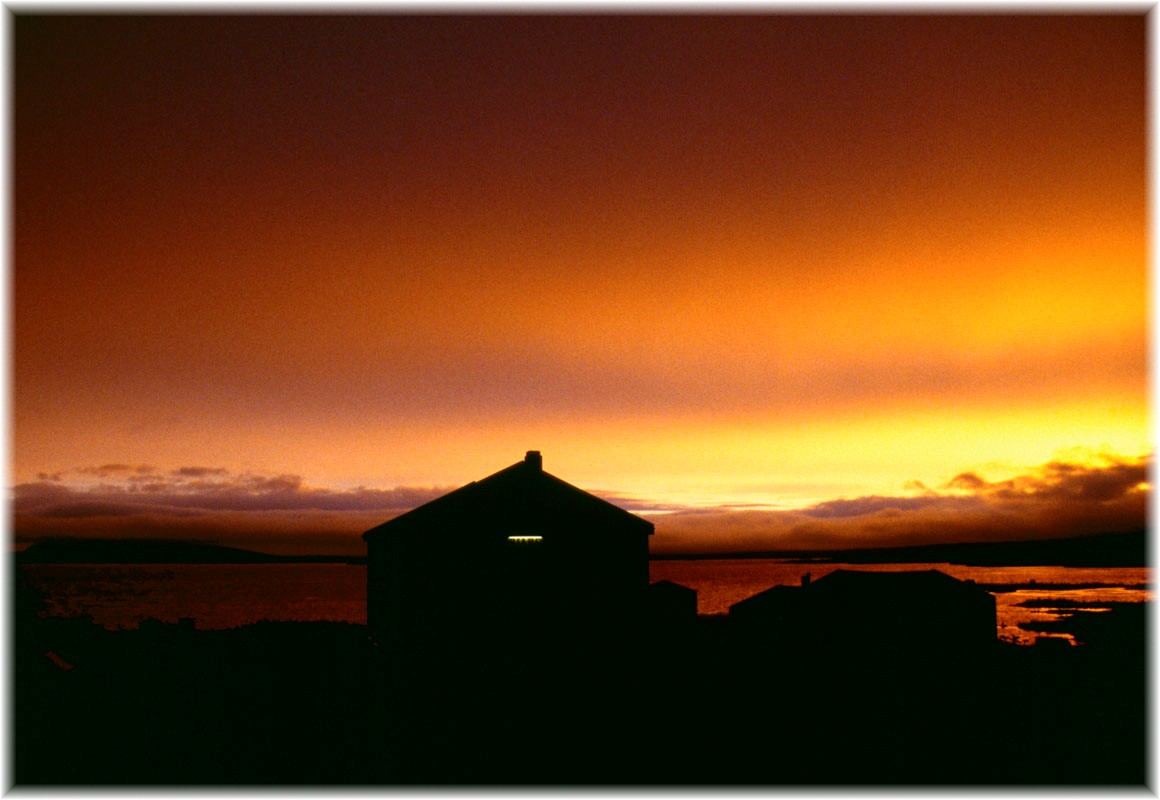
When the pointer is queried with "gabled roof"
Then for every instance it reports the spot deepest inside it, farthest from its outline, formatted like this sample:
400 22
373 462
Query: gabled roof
881 582
857 585
521 497
671 589
779 597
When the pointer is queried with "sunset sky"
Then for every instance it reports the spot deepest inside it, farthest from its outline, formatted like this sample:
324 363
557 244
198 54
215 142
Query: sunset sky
769 280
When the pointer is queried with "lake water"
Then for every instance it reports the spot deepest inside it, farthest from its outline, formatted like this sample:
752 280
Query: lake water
722 582
215 596
227 596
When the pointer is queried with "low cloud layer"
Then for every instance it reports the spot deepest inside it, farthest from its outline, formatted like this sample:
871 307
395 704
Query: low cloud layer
205 489
282 514
275 513
1058 499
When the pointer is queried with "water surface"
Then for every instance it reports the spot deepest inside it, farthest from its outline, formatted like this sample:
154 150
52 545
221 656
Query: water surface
722 582
219 596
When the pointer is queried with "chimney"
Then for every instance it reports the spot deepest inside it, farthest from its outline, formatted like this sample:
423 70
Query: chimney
534 460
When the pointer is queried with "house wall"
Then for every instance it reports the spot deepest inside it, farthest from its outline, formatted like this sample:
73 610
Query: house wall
820 615
475 583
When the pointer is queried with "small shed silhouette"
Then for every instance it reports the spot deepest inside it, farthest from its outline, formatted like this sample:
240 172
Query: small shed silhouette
671 603
519 550
875 609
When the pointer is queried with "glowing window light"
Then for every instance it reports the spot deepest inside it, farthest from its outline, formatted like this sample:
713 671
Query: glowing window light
525 538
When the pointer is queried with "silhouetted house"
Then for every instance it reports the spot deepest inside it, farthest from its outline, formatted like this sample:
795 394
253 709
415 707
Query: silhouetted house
892 609
671 603
778 611
518 551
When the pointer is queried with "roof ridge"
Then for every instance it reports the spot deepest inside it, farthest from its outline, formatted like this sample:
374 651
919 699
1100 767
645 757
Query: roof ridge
520 489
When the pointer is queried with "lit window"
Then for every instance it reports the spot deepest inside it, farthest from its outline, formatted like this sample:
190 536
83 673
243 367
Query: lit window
525 538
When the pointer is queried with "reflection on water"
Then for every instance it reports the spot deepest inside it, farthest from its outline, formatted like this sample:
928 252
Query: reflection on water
722 582
1057 604
215 596
230 595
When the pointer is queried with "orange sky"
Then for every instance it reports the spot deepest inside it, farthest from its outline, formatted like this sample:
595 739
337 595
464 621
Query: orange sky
699 262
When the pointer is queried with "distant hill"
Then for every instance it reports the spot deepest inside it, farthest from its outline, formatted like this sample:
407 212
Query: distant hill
1101 550
149 551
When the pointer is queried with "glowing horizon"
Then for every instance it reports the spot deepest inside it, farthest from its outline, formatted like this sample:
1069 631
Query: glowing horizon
394 253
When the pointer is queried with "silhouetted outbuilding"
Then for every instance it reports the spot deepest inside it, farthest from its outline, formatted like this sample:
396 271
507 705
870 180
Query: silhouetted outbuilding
671 603
779 610
520 550
919 608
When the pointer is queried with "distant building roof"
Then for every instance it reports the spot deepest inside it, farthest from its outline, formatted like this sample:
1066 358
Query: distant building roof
775 597
859 586
668 587
890 582
918 611
520 497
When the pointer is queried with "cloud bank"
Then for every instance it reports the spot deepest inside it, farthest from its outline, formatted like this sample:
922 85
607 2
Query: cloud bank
273 513
1056 500
282 514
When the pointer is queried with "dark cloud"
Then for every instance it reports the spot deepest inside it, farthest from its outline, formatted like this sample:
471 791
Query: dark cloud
966 480
1061 480
874 504
211 489
1116 480
281 513
29 496
89 510
116 470
270 513
199 472
1058 499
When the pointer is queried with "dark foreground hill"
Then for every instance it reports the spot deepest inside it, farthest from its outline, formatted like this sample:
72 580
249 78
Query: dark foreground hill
1100 550
319 704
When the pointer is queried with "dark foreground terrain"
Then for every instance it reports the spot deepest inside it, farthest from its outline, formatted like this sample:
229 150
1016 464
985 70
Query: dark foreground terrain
320 704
